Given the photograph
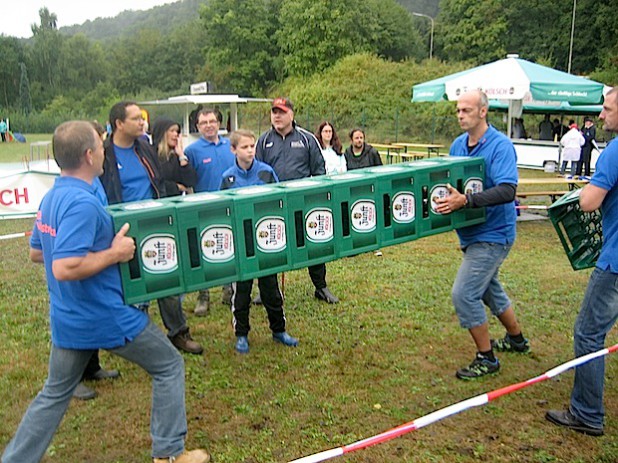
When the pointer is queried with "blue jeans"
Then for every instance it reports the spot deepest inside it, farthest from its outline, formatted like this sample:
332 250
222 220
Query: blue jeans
477 285
152 351
597 315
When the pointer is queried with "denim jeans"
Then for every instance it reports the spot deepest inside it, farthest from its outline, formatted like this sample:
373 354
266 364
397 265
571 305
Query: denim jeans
597 315
152 351
477 285
172 315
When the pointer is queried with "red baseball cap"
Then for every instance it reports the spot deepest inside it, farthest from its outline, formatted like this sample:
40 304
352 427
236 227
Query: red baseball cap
284 104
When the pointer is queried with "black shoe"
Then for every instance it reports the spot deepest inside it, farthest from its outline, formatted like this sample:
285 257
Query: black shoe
568 420
508 344
83 392
324 294
480 366
103 374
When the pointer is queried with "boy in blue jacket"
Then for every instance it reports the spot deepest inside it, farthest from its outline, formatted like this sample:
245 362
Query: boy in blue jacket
248 171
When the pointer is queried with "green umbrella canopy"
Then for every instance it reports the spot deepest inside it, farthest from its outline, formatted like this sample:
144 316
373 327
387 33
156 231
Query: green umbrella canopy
512 79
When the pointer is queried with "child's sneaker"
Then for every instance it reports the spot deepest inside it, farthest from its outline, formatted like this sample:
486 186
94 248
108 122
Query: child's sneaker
508 344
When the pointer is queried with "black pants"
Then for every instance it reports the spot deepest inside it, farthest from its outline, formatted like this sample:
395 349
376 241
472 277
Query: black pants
93 366
271 298
318 275
584 160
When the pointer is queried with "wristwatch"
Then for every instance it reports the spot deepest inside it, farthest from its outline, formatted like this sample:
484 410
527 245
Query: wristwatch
183 158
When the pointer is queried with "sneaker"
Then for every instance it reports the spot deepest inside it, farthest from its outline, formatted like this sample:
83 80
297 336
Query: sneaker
242 345
194 456
203 304
507 344
83 392
324 294
184 342
568 420
226 295
103 374
285 339
257 300
378 253
480 366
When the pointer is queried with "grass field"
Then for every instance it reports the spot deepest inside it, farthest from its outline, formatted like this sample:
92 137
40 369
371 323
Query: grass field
17 152
382 357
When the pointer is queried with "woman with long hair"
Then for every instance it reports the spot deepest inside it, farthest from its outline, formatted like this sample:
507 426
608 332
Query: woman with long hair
332 150
176 170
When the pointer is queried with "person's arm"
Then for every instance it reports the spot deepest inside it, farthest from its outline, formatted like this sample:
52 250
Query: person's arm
500 194
36 256
79 268
591 197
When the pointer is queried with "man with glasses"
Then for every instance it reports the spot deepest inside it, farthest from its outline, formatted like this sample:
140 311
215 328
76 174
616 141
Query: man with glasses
210 156
132 173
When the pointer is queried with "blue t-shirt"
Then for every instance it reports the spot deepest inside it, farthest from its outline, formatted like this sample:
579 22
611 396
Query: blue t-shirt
210 160
500 167
88 313
134 179
259 173
606 177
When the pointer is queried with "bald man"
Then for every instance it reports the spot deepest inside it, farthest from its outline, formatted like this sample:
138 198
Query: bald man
485 246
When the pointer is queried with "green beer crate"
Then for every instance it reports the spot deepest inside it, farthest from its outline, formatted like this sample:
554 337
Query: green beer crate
468 175
260 224
207 247
155 270
311 216
396 190
355 196
432 177
580 232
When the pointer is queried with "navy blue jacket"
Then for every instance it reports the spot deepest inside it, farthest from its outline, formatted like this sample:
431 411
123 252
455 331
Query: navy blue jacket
258 174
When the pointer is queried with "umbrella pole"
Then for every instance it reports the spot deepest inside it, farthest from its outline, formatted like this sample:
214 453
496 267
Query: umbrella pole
509 118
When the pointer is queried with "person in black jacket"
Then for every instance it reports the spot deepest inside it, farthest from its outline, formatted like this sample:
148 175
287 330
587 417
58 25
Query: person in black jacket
360 154
178 174
131 172
590 134
294 153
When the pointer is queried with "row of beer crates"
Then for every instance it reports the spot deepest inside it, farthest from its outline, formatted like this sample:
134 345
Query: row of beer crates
192 242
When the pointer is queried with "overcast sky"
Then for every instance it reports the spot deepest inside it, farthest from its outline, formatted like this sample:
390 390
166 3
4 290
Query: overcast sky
16 17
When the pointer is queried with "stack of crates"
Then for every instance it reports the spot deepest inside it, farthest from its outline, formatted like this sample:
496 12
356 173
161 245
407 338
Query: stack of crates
155 269
193 242
580 232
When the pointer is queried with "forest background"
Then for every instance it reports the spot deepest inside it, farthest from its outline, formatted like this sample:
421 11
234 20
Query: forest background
349 61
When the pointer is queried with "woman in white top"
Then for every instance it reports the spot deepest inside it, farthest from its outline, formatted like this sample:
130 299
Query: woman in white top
572 143
332 152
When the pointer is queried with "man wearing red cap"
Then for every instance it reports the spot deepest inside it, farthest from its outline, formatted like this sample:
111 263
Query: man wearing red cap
294 153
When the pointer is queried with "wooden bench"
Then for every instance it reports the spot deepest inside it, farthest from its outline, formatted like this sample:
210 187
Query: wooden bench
415 155
553 194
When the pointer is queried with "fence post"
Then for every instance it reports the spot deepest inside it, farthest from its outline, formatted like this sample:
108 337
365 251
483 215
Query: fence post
396 124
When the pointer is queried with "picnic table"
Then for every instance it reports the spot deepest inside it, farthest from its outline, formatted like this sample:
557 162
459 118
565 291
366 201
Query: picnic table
569 183
389 149
417 149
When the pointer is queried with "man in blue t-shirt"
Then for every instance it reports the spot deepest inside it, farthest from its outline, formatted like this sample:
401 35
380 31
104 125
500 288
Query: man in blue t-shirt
210 156
599 309
131 172
74 238
485 246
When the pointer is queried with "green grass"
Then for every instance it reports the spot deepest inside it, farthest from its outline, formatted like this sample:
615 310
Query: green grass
382 357
17 152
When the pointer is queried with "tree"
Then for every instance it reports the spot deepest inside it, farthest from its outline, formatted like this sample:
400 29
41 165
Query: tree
241 52
25 102
472 30
11 54
44 55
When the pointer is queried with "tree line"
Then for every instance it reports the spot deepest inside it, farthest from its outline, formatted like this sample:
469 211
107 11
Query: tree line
298 47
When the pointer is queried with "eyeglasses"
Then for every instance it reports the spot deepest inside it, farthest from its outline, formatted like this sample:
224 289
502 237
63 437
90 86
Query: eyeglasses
209 122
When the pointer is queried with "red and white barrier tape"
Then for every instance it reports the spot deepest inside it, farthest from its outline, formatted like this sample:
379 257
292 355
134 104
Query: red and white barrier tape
542 208
451 410
15 235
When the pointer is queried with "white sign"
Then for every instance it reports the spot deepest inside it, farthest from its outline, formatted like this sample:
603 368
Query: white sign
217 244
319 225
158 253
199 88
364 218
